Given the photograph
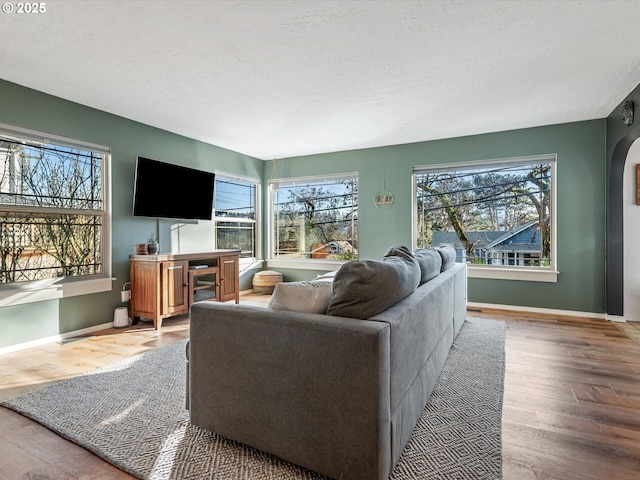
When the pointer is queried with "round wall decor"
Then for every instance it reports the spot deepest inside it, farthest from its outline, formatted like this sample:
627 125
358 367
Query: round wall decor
383 199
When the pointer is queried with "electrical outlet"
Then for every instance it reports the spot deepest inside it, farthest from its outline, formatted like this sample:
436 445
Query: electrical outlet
125 295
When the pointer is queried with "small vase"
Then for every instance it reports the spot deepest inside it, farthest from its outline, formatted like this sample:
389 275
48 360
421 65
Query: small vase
153 248
142 249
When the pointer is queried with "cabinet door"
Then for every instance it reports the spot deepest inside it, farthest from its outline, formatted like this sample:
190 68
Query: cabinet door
144 289
229 279
175 284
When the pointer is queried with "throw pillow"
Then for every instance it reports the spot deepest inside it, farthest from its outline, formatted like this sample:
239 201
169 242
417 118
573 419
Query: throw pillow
362 289
304 297
327 276
448 254
430 262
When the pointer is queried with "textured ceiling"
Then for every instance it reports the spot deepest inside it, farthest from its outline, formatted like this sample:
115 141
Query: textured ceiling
286 78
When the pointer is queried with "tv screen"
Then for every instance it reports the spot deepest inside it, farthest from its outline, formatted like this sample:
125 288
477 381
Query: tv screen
171 191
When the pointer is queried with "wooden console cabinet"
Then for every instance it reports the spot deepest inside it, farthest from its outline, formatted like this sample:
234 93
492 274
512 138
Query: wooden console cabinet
166 285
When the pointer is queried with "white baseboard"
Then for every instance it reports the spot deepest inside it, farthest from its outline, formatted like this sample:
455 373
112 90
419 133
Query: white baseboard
545 311
515 308
54 338
64 336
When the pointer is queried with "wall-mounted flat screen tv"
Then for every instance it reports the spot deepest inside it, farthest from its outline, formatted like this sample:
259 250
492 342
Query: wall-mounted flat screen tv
166 190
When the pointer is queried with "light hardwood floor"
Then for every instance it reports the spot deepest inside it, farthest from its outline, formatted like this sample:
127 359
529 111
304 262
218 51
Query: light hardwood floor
571 404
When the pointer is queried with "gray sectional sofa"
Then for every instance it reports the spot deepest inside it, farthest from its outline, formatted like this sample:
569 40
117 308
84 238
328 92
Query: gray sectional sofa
338 392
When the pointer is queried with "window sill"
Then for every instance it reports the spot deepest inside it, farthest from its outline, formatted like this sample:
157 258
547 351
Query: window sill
52 290
513 273
496 273
248 264
303 264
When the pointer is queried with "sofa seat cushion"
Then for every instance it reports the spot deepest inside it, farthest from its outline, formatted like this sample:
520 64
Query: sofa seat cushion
362 289
417 324
430 262
304 297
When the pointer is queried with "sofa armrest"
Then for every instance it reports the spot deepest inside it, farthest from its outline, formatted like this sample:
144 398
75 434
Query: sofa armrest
312 389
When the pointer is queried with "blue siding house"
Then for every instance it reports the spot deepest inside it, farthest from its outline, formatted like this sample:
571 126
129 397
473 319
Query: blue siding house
520 246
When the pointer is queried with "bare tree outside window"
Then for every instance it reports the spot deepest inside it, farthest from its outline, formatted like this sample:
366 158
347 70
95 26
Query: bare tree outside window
51 210
316 219
492 214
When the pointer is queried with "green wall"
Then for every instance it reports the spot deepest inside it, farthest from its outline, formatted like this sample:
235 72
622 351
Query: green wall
581 202
31 109
580 148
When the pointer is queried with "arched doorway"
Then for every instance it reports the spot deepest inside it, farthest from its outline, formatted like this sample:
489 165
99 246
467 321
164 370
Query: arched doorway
615 224
631 238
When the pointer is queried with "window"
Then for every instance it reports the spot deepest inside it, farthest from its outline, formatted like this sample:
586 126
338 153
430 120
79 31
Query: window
315 218
235 215
496 214
53 209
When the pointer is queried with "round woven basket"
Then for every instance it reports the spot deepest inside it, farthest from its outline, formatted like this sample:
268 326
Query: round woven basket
264 282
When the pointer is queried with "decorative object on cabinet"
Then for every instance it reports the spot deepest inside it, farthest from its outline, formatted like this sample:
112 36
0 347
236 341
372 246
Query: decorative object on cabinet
153 245
142 248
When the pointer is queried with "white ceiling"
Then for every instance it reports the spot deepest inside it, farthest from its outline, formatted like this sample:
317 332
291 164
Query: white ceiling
286 78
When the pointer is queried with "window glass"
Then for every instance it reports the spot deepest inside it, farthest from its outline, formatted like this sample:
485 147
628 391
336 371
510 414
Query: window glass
315 218
492 214
52 210
235 215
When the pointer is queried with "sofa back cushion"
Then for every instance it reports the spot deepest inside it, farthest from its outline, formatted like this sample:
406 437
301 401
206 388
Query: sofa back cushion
430 262
305 297
362 289
448 254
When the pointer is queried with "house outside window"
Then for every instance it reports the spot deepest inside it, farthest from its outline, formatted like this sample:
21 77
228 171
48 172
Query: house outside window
235 217
314 218
499 215
53 210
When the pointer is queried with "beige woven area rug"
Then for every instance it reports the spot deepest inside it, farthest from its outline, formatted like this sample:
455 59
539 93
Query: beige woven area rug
132 414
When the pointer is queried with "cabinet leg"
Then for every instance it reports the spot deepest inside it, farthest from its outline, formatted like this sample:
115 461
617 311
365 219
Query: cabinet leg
135 320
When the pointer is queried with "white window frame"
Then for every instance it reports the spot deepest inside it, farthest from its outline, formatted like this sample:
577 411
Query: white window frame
502 272
57 288
246 263
302 263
